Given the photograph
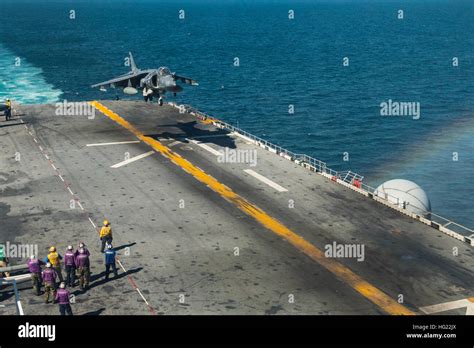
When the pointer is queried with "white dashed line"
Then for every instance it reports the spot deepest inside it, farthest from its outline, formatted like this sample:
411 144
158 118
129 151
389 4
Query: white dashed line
121 266
174 143
150 308
143 297
265 180
133 159
116 143
133 284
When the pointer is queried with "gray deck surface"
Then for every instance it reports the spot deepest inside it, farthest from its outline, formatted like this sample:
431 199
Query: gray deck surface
190 250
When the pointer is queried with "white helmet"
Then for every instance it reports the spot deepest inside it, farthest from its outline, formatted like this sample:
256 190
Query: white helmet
62 285
69 247
32 257
48 265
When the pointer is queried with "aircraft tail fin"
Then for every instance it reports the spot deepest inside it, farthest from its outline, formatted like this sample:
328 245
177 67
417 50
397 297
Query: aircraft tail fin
133 66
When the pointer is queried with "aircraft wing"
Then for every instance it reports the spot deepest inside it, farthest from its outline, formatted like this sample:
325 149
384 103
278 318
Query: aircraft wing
187 80
128 80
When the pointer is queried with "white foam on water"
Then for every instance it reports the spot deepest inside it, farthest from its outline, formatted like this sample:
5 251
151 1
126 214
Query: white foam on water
24 84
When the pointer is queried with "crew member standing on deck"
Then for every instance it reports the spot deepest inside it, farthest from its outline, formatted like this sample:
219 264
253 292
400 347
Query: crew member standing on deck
70 266
49 279
110 261
83 267
54 259
34 266
8 111
105 235
62 297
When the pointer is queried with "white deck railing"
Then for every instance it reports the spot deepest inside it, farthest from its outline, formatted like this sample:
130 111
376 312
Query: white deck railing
347 178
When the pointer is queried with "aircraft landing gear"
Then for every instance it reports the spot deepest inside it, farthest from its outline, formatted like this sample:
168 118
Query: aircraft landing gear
160 101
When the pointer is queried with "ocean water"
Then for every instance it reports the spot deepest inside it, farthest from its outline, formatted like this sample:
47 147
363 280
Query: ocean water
282 62
23 81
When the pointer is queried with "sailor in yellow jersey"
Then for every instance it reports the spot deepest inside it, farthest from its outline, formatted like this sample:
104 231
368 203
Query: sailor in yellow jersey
53 258
8 111
105 235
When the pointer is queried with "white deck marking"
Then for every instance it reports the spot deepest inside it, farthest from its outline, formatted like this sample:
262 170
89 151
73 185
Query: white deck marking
265 180
442 307
205 147
133 159
20 308
115 143
150 308
174 143
134 285
92 222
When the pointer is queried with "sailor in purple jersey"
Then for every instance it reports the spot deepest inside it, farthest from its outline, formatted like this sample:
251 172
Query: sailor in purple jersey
70 266
49 279
34 266
62 298
83 267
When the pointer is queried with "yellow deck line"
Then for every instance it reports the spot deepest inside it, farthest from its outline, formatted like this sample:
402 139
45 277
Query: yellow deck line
375 295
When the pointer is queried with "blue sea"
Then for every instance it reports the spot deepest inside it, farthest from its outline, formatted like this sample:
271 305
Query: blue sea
282 61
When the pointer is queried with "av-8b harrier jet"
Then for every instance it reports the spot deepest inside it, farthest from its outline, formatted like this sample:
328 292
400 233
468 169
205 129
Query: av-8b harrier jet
159 80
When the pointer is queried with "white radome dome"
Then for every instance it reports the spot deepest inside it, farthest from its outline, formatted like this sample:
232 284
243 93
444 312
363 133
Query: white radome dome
406 194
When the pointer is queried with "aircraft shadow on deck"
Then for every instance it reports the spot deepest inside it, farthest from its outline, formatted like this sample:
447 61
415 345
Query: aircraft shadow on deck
189 130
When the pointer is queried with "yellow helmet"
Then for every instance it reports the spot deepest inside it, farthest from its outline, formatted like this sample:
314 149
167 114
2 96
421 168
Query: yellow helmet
52 249
106 223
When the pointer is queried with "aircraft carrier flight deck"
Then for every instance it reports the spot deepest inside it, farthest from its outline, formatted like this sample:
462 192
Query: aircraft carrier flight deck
200 233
